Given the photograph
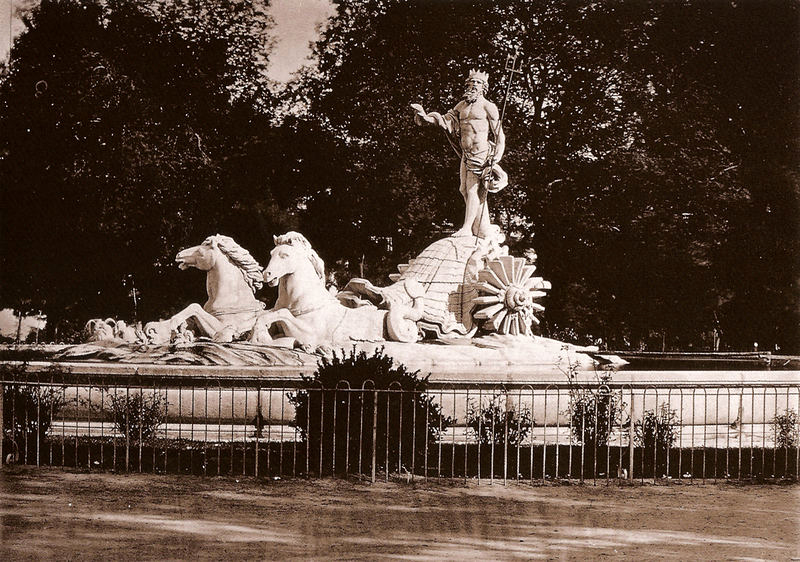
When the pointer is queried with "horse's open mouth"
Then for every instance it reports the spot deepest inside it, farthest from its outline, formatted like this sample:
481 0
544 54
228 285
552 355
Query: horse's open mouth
272 281
182 259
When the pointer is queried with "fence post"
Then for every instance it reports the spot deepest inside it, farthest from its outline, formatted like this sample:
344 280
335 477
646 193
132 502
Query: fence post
630 438
374 431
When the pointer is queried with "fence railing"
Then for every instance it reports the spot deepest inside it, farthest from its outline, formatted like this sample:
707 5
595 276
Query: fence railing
277 428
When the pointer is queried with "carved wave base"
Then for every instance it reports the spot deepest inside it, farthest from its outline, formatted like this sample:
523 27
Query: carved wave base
485 358
199 352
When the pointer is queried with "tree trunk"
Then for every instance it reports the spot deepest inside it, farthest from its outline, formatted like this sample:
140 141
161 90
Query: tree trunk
19 326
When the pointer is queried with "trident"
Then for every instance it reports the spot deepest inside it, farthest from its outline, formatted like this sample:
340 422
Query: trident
513 66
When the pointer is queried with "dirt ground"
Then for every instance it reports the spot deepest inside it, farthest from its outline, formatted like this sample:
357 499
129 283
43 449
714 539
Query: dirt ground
51 514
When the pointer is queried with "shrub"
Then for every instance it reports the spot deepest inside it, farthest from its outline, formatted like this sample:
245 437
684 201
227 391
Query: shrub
594 412
29 407
657 429
497 423
785 429
137 414
338 423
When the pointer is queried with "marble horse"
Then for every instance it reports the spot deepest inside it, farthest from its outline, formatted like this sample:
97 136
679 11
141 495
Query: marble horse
305 313
232 278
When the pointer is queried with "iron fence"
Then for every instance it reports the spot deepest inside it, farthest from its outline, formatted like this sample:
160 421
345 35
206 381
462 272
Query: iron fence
282 427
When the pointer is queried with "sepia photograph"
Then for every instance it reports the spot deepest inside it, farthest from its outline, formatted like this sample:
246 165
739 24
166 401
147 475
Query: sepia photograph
399 279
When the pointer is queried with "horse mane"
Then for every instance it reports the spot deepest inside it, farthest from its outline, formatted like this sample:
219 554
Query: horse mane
296 239
241 258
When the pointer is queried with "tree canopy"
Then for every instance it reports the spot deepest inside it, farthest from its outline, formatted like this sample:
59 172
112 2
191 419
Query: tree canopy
652 149
632 145
120 125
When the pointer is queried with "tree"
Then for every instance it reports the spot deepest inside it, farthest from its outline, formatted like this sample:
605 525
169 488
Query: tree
628 174
115 146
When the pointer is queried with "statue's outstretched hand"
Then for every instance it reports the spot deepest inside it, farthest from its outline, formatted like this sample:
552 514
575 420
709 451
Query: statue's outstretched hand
420 116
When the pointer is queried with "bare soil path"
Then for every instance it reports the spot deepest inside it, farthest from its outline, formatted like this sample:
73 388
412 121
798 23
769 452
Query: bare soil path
51 514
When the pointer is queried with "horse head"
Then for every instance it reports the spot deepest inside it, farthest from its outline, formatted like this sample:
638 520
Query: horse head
98 329
203 257
218 249
293 254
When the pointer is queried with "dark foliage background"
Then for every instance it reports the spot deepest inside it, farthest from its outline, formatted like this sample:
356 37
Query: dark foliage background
652 150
